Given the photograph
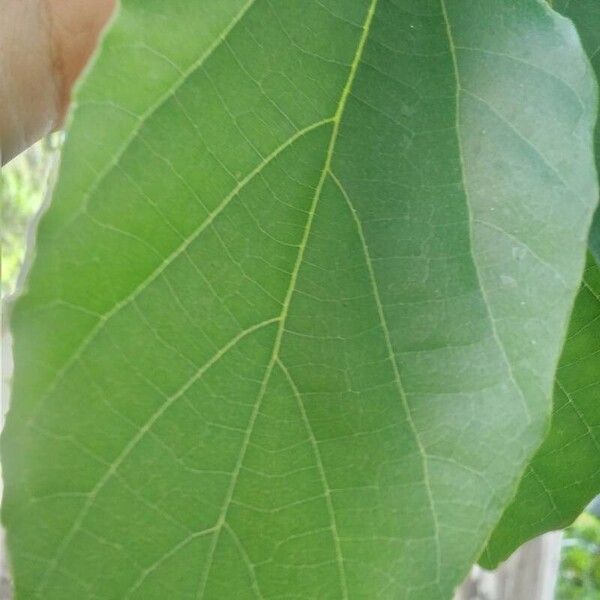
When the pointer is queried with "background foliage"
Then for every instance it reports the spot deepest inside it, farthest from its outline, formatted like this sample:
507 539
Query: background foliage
22 189
579 577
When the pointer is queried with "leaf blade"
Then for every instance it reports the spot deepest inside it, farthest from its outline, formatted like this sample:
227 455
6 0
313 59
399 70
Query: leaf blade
557 486
563 476
190 460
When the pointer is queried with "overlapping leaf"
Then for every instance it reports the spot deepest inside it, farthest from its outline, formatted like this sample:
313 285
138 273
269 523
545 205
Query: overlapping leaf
294 318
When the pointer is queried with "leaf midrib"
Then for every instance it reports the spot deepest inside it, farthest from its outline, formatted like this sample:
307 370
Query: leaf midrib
186 242
288 297
336 119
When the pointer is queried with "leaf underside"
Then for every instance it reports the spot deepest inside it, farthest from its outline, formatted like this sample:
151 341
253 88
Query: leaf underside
585 14
564 475
292 327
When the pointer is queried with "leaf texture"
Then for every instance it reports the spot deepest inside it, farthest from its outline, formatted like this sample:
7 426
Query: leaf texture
585 14
564 475
293 323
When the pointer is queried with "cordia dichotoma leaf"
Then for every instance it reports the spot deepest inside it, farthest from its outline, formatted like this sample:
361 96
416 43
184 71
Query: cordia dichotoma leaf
293 322
585 14
564 475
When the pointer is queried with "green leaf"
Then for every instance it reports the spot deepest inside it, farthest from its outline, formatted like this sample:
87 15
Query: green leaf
564 475
595 236
585 14
294 318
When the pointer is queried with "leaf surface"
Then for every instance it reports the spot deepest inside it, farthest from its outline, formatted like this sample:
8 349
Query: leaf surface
565 473
585 14
293 323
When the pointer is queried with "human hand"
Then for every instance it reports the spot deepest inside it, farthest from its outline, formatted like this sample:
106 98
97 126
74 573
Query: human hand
44 46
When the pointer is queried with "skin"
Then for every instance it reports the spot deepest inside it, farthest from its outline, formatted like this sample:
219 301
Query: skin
44 46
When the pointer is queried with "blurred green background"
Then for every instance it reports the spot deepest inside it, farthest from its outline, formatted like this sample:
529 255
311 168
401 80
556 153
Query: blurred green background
23 185
579 576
